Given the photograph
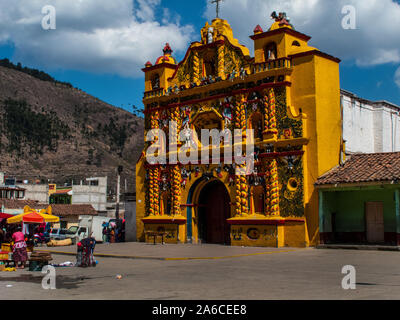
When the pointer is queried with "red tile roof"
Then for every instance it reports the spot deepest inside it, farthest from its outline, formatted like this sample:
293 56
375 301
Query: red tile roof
374 167
57 209
20 204
73 209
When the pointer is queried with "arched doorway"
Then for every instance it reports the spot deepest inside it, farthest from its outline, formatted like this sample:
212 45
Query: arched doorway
214 210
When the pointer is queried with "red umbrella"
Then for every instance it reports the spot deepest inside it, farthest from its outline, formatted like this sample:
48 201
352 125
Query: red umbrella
5 215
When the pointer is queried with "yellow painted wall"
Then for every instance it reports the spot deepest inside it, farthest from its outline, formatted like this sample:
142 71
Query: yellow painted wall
316 90
140 198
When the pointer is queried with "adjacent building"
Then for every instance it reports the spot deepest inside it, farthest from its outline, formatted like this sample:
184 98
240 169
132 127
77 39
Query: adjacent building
359 202
9 190
68 213
93 192
369 126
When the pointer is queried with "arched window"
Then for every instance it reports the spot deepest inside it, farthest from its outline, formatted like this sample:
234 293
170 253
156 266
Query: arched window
155 82
270 51
296 43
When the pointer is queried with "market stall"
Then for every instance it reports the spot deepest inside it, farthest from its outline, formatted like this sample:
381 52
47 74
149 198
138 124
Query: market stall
5 250
30 216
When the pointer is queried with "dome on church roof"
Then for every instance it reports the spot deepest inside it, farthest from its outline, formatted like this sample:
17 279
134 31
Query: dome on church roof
167 57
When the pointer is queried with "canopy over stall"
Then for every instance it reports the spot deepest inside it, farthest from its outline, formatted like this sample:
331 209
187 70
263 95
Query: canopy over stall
32 216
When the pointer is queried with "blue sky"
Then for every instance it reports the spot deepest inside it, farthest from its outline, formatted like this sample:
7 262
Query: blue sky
101 46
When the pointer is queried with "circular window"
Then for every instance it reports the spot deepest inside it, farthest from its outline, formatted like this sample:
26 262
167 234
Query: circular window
253 234
293 184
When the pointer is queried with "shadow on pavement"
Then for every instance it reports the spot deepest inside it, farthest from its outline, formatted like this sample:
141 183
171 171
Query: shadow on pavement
62 281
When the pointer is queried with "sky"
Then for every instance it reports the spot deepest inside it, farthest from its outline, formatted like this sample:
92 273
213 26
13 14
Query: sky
100 46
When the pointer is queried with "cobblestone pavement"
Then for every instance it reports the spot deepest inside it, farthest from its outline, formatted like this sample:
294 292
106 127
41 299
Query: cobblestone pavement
280 274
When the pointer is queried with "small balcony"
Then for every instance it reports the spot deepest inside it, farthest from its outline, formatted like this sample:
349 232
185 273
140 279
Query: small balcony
272 65
154 93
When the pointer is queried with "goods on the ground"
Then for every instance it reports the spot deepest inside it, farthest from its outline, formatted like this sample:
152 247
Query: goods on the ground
59 243
40 256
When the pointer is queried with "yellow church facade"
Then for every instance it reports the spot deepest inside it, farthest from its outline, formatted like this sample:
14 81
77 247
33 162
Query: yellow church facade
288 93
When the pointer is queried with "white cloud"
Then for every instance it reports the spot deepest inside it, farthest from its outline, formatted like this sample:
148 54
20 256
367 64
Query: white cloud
397 77
375 41
100 36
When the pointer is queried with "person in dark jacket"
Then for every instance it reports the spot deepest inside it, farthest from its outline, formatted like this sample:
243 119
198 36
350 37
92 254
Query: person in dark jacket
88 245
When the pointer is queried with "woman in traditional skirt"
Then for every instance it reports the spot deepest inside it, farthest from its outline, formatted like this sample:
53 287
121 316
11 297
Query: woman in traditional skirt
19 249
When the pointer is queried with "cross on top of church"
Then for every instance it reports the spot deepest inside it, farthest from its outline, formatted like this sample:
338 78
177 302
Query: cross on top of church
217 8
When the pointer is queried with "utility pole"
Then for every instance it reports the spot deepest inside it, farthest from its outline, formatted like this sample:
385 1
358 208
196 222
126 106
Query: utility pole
119 171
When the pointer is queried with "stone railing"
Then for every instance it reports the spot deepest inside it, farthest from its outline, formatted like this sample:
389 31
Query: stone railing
272 64
154 93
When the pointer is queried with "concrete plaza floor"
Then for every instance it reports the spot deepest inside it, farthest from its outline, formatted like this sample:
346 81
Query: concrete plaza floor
141 250
226 273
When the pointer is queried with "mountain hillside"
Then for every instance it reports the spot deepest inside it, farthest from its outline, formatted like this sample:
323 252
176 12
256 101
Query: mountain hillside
50 130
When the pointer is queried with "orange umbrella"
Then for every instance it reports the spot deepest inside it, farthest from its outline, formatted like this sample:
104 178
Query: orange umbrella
31 216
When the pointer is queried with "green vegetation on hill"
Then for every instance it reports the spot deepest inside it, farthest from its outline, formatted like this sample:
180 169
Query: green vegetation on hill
32 72
24 127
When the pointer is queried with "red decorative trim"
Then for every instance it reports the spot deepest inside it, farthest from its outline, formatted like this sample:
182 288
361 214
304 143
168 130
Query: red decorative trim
161 65
317 53
263 222
282 30
236 92
164 221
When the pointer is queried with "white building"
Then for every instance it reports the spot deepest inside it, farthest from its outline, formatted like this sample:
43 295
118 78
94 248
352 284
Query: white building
368 126
37 192
94 193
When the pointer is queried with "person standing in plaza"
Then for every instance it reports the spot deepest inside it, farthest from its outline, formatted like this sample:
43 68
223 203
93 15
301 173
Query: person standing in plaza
104 225
20 254
79 252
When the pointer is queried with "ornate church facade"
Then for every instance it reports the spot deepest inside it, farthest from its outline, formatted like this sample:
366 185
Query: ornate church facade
288 93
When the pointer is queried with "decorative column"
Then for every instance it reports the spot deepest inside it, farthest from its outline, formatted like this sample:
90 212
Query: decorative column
176 190
270 112
266 111
241 183
272 188
244 188
238 204
243 115
267 210
176 170
154 174
221 62
151 191
196 67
